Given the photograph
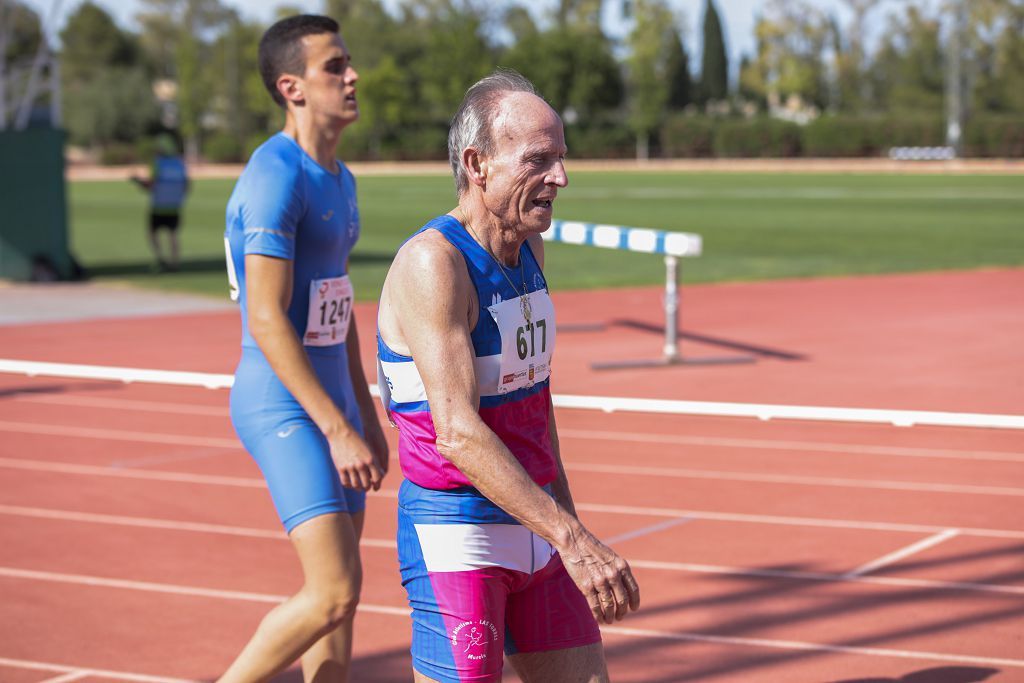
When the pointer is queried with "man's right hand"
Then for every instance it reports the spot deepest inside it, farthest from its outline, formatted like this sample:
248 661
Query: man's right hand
357 466
603 577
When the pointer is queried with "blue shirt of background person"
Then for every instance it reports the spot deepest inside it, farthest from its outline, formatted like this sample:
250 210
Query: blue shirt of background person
168 184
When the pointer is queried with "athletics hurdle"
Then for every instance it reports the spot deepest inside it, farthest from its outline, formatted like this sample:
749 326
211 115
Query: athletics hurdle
673 245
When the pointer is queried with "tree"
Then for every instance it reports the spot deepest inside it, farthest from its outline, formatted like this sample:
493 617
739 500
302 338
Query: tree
995 54
107 92
20 26
791 38
579 14
850 55
907 73
649 83
677 71
180 34
573 67
714 65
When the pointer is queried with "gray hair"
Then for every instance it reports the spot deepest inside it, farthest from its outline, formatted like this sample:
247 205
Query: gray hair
471 125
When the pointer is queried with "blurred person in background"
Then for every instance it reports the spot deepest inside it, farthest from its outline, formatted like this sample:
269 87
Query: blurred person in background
167 185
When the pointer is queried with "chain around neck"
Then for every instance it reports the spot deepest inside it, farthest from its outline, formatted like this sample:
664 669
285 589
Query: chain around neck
524 298
501 266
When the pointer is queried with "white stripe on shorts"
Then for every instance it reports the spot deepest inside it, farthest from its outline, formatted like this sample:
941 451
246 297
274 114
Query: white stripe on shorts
465 547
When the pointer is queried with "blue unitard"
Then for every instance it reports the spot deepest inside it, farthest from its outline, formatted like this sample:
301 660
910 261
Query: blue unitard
287 206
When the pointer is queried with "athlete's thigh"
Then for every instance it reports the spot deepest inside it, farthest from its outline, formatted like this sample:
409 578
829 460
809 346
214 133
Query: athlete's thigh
583 664
457 615
328 549
549 613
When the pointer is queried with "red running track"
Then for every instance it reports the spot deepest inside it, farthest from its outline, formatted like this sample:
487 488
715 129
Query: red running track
138 542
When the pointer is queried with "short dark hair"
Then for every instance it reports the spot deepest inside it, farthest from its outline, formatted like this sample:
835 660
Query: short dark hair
281 51
471 125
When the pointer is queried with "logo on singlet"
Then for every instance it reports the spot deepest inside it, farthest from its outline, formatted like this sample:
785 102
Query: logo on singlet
327 216
472 641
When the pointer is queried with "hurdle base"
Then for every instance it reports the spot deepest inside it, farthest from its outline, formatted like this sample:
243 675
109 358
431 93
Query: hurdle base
672 360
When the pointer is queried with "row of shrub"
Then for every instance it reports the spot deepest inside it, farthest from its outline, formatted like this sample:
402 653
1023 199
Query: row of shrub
681 136
834 136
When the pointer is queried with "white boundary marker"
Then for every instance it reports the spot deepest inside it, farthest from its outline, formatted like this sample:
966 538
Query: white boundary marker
96 581
903 553
387 544
608 404
647 530
84 671
257 483
166 407
600 468
794 480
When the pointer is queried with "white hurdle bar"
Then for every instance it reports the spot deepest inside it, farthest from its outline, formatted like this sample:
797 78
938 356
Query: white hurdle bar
673 246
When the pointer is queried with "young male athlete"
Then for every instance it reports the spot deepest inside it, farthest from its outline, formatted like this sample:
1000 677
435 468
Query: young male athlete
492 555
300 402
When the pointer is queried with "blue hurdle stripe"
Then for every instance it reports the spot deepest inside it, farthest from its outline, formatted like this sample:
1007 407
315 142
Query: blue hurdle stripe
625 238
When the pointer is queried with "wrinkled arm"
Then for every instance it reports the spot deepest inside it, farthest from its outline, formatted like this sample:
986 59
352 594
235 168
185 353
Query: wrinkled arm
438 336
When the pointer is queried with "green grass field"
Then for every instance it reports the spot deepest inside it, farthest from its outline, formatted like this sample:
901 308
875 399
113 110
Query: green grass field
755 226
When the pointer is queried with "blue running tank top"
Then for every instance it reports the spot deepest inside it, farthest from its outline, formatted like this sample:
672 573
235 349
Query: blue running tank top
512 350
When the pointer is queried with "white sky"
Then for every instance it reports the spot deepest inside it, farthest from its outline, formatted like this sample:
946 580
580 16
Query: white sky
738 16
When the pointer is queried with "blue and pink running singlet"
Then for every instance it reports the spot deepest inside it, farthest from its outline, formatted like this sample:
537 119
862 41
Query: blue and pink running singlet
478 582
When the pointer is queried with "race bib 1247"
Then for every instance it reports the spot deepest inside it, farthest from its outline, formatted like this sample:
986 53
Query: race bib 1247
330 310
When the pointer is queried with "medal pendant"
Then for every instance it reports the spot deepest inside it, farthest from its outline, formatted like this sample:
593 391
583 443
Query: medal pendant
524 304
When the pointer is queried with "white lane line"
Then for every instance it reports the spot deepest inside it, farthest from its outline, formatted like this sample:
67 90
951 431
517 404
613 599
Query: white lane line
788 575
118 435
68 677
390 544
767 411
718 475
771 444
904 553
795 521
128 404
810 647
166 524
99 673
159 475
174 439
585 434
172 589
155 475
652 529
609 404
95 581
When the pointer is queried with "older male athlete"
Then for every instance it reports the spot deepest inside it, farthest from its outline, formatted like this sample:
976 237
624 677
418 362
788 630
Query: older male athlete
492 554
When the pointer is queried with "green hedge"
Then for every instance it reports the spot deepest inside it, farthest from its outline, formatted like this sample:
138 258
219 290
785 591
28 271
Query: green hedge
835 136
688 137
758 137
994 136
681 136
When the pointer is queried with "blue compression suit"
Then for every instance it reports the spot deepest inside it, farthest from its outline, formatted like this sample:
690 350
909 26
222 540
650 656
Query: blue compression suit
287 206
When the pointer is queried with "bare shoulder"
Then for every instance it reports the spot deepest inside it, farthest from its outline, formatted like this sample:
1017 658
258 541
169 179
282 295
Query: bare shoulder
427 261
426 287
